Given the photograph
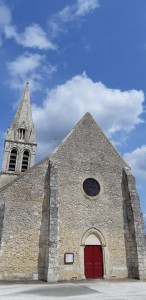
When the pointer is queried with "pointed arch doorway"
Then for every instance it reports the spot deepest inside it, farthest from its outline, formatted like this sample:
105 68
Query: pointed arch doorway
93 254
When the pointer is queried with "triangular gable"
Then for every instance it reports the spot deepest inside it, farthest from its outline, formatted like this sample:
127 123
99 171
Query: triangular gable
89 123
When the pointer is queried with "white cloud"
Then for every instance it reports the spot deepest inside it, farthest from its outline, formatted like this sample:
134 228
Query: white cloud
137 160
71 13
5 18
25 63
32 37
114 110
32 66
5 14
80 8
85 6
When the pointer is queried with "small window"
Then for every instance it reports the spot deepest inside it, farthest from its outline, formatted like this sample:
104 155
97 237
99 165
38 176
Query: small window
25 161
21 133
12 162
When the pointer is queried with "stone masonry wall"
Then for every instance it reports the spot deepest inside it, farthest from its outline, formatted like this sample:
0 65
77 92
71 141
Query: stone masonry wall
2 211
133 228
20 244
44 232
48 262
145 260
53 267
129 231
5 178
86 152
45 212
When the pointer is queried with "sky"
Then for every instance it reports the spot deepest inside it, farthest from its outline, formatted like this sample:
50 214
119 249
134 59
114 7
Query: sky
79 56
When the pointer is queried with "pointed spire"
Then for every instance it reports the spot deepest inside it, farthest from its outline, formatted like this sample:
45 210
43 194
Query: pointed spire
24 108
20 143
23 119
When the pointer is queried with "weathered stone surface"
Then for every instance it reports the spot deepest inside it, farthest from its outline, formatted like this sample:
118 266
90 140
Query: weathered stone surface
53 223
87 153
48 214
2 211
14 140
134 227
20 243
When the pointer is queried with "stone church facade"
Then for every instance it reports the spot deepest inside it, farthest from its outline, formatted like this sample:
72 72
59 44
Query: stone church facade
75 214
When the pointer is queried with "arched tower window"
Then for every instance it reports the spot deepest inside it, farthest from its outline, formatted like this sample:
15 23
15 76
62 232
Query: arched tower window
25 161
13 158
21 133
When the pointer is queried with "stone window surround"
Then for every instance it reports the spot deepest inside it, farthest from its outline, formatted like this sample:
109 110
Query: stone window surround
100 183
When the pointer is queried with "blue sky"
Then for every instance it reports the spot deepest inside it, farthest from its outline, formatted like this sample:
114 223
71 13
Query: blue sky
79 56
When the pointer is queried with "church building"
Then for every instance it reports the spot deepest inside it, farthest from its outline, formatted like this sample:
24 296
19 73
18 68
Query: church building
75 214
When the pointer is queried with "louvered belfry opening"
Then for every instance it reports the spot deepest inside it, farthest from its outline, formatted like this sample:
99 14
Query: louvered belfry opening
25 161
13 158
22 134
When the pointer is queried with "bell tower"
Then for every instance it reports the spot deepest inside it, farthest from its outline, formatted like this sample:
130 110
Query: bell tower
20 143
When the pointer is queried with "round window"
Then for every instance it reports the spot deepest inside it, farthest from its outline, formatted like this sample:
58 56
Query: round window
91 187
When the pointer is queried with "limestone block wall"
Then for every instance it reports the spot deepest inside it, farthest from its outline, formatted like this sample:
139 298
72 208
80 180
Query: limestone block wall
78 214
145 261
53 263
2 211
5 178
48 262
45 213
20 242
133 227
86 153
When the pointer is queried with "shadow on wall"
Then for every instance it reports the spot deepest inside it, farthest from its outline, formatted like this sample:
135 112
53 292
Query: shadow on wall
129 231
44 233
2 212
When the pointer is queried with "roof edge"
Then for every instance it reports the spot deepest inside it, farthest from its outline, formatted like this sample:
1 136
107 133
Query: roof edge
23 174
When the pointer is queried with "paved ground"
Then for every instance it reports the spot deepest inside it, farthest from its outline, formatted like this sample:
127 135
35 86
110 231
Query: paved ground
82 290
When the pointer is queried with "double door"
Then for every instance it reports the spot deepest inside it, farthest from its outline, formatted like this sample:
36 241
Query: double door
93 262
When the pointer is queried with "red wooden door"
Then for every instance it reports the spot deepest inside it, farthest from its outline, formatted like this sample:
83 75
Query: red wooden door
93 262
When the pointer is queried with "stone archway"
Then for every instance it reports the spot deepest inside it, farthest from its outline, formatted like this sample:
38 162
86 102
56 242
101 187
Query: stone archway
92 240
96 233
